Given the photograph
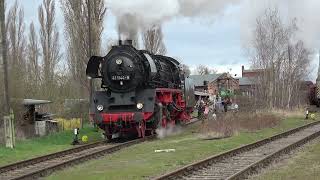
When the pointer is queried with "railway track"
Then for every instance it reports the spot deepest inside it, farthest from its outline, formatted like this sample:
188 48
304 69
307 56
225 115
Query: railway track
45 165
241 162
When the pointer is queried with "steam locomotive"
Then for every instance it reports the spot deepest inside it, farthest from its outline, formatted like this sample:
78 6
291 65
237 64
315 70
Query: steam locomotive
140 91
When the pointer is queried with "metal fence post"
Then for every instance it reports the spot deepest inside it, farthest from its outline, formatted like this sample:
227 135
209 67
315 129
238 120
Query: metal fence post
13 130
9 131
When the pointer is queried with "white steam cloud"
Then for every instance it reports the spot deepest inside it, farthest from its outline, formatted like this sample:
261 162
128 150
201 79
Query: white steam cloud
169 131
306 15
135 15
305 12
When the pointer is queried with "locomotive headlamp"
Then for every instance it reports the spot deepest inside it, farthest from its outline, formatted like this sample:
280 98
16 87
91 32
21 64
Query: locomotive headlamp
100 108
139 105
119 61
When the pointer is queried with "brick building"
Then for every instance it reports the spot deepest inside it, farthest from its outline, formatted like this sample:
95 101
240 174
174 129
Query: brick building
212 83
250 73
251 76
247 81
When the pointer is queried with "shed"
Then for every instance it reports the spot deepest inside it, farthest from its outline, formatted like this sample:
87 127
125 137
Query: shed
31 115
201 95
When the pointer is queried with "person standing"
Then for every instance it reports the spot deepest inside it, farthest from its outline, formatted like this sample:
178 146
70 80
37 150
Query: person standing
201 109
206 110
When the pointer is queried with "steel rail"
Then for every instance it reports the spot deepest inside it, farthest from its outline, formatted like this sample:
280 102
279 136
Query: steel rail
46 167
51 161
196 168
39 159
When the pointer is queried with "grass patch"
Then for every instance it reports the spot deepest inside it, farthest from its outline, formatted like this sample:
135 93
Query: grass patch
30 148
141 162
305 165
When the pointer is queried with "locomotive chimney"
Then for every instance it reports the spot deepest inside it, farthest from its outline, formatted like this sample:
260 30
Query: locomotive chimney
128 42
119 35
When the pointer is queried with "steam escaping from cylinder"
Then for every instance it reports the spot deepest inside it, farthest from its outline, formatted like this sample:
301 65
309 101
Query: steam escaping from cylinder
169 131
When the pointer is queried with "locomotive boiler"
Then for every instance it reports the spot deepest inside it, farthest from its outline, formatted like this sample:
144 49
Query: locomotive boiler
140 91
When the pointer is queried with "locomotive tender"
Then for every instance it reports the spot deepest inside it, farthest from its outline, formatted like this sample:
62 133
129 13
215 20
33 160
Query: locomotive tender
140 91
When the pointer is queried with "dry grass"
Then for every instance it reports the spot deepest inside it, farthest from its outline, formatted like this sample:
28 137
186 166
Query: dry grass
227 125
298 112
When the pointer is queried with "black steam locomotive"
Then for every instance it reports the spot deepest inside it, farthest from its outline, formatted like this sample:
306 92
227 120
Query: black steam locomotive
140 91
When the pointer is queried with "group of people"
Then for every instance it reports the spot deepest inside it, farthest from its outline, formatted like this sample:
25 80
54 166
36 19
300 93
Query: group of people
203 108
206 106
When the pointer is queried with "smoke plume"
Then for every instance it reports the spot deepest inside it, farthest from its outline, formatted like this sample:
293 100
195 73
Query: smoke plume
305 13
136 15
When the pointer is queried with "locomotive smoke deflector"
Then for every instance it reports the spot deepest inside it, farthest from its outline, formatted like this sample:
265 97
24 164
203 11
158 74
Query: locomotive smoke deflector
92 70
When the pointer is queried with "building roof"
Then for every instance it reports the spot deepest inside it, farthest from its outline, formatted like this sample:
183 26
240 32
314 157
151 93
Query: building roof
199 79
253 70
198 93
245 81
27 102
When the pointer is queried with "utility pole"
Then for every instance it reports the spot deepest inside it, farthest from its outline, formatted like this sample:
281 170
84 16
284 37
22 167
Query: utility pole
89 28
90 54
9 117
3 58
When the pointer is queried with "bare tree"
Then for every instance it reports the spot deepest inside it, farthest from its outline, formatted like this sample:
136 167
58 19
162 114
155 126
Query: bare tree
282 58
49 38
16 49
186 70
76 19
33 53
203 70
153 40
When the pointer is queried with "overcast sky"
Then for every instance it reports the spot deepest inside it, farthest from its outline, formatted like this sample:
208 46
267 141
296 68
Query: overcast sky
216 42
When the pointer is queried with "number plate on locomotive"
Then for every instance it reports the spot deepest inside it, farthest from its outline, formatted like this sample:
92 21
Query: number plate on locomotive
119 78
